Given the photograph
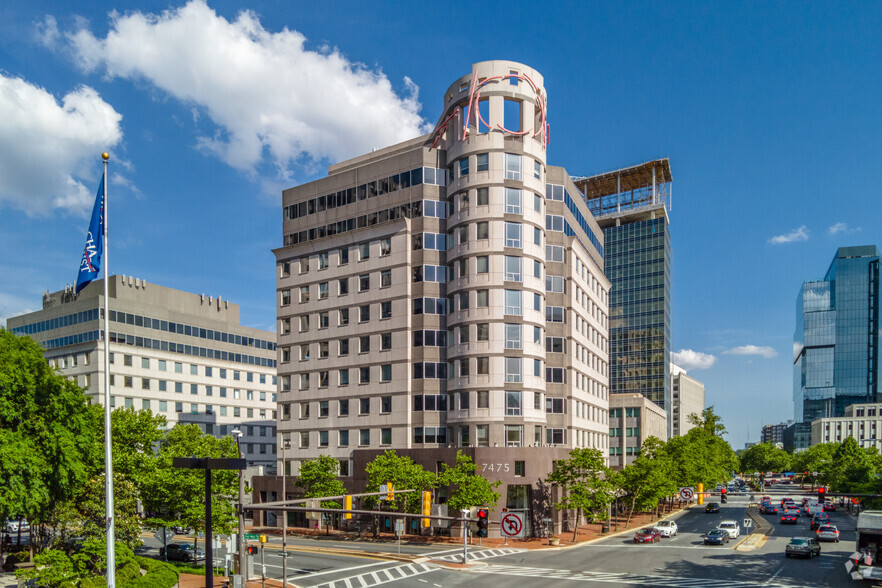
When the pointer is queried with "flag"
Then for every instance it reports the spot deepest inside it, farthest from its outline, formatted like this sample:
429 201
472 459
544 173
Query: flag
93 252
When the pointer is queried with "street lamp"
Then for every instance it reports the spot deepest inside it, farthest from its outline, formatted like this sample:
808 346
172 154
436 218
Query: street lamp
240 539
286 444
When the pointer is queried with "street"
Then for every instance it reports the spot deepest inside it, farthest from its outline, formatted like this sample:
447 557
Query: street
682 560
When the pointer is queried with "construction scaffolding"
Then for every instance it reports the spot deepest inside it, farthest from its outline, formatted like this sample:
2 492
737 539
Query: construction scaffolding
643 187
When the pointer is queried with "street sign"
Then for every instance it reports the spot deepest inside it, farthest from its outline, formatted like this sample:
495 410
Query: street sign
748 523
399 526
251 537
164 535
687 493
512 525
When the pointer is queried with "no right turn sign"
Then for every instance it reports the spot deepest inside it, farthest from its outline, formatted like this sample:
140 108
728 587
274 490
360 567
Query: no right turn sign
687 493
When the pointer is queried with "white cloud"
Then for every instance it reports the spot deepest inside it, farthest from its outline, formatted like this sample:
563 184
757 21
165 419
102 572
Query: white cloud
266 92
800 234
50 149
842 228
764 351
689 359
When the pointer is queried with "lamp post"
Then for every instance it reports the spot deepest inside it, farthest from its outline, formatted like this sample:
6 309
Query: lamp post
240 538
285 445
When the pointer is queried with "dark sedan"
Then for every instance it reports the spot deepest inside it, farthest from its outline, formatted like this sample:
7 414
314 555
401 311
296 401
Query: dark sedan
716 537
647 535
803 546
712 507
789 517
820 520
769 509
181 552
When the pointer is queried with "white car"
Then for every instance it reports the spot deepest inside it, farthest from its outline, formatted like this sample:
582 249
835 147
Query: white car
731 527
666 528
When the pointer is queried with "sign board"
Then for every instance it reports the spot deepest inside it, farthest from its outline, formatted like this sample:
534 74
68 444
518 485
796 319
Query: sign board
748 523
512 525
399 527
164 535
440 510
687 493
251 537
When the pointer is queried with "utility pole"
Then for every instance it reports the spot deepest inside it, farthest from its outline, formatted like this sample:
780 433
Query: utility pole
240 538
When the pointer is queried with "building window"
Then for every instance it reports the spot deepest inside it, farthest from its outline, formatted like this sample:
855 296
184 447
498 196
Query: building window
483 230
513 269
364 344
555 436
513 302
343 318
364 251
482 435
482 162
386 341
364 437
304 294
513 201
364 375
483 298
554 284
554 314
386 310
483 264
323 261
554 222
537 169
386 372
364 282
343 256
385 247
514 435
513 336
343 440
464 167
385 278
364 313
483 332
513 371
483 366
554 405
483 197
513 234
513 167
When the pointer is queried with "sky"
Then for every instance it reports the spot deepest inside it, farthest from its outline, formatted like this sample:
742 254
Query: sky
769 112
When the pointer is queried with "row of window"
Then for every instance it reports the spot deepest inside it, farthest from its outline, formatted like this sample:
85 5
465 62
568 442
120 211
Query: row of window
629 432
363 282
512 166
172 347
194 389
415 177
364 438
363 250
197 409
178 368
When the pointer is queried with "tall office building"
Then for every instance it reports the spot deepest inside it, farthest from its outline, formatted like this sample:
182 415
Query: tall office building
184 356
836 342
631 206
446 292
687 398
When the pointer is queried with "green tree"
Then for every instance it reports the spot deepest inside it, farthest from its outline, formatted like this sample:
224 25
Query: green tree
404 474
647 480
702 456
815 459
471 489
318 477
852 467
178 495
585 483
765 457
91 511
47 432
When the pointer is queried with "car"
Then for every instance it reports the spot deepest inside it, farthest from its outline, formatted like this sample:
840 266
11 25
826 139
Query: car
766 500
716 537
819 520
14 526
731 527
648 535
785 501
768 509
828 533
712 507
803 546
829 506
666 528
789 517
179 530
181 552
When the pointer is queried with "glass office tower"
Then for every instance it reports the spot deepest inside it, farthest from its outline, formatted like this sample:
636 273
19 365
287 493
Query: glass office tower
631 205
836 342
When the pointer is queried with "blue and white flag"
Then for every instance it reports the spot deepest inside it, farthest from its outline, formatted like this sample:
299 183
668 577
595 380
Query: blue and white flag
93 252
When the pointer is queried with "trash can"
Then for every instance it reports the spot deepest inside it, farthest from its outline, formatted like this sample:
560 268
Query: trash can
604 527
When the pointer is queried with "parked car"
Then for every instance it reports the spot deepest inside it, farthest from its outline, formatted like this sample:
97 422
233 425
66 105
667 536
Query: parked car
181 530
648 535
803 546
828 533
182 552
716 537
712 507
819 520
666 528
769 509
732 528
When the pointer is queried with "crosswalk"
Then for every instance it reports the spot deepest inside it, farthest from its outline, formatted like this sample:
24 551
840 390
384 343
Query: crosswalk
381 576
478 555
548 574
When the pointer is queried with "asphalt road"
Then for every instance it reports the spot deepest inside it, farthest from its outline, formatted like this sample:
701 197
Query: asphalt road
678 561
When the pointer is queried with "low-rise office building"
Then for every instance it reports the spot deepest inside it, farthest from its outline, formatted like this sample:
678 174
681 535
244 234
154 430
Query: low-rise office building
862 421
687 398
181 355
632 419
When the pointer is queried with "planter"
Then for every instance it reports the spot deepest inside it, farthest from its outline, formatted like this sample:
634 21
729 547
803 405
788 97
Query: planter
554 540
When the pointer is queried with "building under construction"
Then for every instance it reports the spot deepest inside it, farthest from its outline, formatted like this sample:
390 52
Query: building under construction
631 205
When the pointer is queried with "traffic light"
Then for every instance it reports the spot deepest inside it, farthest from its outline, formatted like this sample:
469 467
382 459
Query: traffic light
427 509
822 494
347 505
252 550
723 496
390 495
482 522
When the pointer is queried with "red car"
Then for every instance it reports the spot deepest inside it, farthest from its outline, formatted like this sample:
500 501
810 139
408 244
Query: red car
829 506
647 535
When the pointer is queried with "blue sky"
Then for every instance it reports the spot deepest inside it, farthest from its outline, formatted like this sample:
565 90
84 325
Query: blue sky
769 112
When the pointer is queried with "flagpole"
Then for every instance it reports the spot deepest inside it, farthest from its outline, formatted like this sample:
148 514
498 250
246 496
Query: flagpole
108 451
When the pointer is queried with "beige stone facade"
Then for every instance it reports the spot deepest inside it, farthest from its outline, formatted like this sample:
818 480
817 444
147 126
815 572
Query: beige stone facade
633 419
861 421
445 292
687 398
